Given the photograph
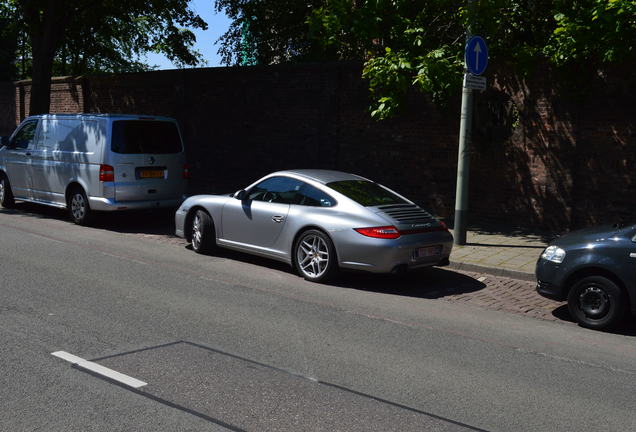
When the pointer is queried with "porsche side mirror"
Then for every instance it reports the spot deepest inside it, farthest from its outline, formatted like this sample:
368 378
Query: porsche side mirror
240 195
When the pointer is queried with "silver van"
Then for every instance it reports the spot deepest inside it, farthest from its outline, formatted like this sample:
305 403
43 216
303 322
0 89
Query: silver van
94 162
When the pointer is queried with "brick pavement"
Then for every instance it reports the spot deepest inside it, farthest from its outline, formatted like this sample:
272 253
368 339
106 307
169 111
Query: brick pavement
509 295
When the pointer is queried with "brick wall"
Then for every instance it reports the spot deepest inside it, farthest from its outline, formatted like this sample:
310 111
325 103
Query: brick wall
542 158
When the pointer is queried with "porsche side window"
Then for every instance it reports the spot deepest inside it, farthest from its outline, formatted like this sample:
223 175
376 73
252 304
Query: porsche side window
276 190
310 196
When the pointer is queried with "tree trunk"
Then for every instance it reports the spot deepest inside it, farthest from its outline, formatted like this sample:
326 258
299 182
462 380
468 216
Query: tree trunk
41 78
47 24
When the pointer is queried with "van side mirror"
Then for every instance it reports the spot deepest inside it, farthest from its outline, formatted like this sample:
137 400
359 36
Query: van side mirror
241 195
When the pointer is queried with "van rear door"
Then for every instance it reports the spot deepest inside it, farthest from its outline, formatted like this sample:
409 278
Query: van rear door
148 160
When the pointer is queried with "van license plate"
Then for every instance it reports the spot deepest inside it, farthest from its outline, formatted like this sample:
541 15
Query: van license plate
144 174
430 251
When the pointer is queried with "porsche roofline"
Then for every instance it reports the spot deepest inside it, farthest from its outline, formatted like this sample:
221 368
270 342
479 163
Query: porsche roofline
320 175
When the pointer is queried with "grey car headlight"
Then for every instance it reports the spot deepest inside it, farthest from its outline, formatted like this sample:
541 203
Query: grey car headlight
554 254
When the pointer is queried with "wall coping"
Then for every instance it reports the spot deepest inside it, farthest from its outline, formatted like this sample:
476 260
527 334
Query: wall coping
54 80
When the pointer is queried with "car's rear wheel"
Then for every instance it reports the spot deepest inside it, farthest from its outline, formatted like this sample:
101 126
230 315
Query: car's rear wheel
78 208
202 235
6 195
315 256
596 302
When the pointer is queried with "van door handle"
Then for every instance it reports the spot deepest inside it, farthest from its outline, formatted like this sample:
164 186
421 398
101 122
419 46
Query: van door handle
28 153
278 219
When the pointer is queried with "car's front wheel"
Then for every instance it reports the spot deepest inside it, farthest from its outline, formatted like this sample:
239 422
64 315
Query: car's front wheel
202 234
596 302
315 256
6 196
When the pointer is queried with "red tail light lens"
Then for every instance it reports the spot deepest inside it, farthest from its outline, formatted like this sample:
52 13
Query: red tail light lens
443 224
186 172
106 173
385 232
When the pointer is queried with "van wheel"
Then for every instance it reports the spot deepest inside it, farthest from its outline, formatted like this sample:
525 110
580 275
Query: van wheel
202 233
6 196
78 207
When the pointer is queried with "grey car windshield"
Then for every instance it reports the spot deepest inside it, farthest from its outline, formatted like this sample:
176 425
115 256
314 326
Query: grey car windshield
139 136
367 193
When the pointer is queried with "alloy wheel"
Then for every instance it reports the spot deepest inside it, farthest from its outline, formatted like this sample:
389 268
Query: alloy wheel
196 232
78 206
313 256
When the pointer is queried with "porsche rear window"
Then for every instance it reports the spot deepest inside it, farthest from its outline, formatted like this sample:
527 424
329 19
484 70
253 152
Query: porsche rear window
367 193
143 136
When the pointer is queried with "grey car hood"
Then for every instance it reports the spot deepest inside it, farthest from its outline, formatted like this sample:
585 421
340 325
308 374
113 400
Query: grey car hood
589 235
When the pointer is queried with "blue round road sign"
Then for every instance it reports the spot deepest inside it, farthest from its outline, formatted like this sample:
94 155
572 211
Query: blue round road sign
476 55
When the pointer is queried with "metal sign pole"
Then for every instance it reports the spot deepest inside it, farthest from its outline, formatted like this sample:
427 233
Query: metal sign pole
463 154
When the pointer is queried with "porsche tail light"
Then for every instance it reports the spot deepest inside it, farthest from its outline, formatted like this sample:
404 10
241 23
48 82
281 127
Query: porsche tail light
384 232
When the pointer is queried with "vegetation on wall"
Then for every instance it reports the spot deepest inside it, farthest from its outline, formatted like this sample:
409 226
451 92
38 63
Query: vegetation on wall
406 44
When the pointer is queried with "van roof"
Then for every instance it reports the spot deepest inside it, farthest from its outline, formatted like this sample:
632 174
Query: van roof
102 115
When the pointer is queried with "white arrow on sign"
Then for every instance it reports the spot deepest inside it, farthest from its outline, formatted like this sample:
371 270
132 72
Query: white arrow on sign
477 52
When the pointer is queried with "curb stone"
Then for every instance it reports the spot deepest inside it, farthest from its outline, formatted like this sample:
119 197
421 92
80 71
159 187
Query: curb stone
494 271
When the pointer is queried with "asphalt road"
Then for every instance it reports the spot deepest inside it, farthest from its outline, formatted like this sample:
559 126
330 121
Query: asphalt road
231 342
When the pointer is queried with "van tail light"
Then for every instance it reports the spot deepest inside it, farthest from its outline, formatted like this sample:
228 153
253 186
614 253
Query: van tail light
186 172
106 173
384 232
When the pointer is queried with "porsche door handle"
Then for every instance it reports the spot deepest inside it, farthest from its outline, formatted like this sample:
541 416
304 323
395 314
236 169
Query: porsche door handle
278 219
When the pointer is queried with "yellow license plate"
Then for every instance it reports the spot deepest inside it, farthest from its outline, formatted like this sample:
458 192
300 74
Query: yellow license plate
151 174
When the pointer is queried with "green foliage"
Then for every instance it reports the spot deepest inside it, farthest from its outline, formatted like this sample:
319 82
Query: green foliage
414 44
405 44
596 31
266 31
420 45
103 36
8 42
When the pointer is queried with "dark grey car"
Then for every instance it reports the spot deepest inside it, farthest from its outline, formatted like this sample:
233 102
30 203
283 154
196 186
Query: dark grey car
595 270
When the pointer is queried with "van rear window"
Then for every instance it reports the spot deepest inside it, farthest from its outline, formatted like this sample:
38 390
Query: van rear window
139 136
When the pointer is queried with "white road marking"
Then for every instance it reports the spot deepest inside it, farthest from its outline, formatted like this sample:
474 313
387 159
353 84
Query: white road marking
481 279
99 369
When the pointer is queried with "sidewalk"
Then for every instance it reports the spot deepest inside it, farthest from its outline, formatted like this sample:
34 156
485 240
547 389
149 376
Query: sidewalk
507 255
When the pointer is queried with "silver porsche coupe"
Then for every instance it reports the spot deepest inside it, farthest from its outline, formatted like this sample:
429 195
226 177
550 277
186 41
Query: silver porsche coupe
318 221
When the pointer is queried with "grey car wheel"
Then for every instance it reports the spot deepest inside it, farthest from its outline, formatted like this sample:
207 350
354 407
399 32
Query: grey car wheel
6 196
78 207
315 256
596 302
202 235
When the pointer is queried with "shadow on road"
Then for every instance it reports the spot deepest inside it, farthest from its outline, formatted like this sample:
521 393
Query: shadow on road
625 328
429 283
159 221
